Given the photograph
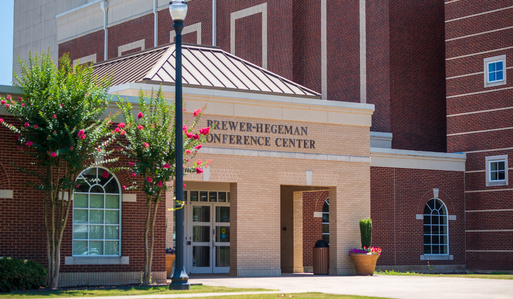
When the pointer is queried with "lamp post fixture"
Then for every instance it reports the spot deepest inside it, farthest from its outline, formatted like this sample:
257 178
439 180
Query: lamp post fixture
180 279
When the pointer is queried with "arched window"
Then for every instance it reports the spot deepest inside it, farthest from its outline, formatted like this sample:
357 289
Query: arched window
435 228
97 214
326 220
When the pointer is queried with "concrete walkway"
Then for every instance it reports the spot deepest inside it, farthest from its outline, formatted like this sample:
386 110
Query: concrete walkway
378 285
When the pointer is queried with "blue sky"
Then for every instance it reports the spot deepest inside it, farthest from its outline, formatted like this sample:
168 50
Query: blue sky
6 15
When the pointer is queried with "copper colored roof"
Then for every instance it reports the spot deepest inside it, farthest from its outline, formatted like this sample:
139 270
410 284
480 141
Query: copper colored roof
202 66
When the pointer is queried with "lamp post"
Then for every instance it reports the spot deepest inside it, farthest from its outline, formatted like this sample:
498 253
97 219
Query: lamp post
178 11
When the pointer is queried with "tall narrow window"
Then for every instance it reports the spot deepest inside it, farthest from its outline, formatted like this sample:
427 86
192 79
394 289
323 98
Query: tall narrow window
326 221
97 214
435 228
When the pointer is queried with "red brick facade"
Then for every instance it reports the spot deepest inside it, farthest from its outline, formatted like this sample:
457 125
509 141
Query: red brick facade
23 231
479 121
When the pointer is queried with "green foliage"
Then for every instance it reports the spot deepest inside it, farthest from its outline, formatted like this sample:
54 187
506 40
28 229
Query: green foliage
151 143
18 274
366 232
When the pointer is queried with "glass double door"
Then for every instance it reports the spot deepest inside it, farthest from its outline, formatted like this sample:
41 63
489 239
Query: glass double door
208 237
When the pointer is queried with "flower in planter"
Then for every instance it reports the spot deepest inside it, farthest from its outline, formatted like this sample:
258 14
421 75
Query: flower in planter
170 250
365 250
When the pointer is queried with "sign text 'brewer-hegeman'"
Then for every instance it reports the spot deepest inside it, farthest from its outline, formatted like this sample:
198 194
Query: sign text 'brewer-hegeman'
248 139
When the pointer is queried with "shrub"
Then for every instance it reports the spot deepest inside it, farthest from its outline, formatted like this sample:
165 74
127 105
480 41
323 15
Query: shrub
16 274
366 232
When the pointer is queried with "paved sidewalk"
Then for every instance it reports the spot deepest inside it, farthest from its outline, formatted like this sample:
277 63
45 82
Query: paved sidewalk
378 285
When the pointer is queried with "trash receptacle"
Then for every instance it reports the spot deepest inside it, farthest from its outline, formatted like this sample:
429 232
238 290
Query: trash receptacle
321 258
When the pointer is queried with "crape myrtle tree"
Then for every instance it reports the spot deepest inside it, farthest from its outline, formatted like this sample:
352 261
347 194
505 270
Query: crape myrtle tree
59 129
150 148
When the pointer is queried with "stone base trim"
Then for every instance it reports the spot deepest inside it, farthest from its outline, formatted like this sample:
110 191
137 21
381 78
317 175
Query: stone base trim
74 279
424 268
258 272
342 271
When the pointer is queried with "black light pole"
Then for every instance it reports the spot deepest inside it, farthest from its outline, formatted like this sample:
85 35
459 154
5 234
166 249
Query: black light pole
178 11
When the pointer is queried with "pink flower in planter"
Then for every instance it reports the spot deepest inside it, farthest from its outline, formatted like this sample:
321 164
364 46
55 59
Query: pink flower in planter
198 146
140 127
149 180
195 113
54 154
199 170
105 174
159 184
140 115
121 125
29 143
146 145
188 152
54 116
166 166
117 130
22 104
36 127
132 175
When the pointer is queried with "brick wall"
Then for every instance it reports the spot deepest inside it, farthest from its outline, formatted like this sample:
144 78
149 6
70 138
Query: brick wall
397 195
23 231
312 226
93 43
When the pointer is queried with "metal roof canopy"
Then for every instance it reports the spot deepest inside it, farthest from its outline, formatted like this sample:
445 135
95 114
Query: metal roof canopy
202 66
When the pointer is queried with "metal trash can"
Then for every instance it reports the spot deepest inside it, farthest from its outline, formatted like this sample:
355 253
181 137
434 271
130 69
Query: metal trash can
321 258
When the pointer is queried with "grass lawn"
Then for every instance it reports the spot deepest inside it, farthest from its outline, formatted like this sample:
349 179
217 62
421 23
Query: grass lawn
139 290
492 275
135 290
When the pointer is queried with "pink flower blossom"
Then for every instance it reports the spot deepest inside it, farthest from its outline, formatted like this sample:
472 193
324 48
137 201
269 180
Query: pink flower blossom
184 185
184 109
54 116
71 148
166 166
146 145
117 130
205 131
140 127
2 102
22 104
121 125
195 113
78 186
124 187
9 97
199 170
140 115
188 152
55 131
122 132
54 154
1 120
80 133
198 146
131 163
159 184
83 136
10 125
27 125
199 162
62 105
36 127
29 143
209 161
196 136
7 105
105 174
98 149
149 180
20 99
186 160
17 137
189 135
184 128
133 174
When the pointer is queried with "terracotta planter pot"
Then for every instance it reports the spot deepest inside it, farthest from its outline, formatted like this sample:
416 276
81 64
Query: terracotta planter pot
364 263
170 258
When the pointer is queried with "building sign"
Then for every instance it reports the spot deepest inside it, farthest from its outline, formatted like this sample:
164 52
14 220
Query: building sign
237 132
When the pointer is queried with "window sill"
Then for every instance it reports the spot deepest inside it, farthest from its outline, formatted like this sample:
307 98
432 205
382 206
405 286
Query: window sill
90 260
436 257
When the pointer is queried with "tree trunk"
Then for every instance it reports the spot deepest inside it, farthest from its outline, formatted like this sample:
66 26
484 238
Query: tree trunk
147 267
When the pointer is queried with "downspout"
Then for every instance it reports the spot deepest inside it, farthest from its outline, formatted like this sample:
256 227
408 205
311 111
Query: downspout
214 23
105 8
156 26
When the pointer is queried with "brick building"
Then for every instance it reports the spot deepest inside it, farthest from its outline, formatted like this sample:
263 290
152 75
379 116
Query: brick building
398 56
